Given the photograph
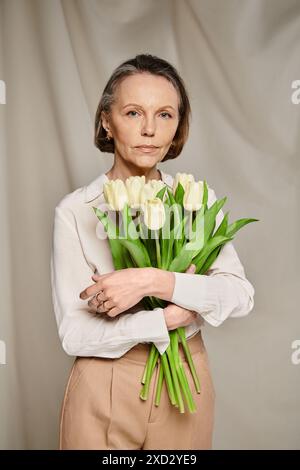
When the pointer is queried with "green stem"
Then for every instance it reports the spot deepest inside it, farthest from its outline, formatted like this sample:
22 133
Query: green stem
167 375
159 385
141 226
186 388
181 372
123 215
155 302
150 368
147 364
181 333
175 379
148 303
158 256
156 355
190 224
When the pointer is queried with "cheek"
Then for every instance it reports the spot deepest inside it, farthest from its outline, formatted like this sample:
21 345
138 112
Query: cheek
125 128
126 135
167 130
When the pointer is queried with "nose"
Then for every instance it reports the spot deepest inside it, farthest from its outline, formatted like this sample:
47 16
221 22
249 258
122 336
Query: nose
148 127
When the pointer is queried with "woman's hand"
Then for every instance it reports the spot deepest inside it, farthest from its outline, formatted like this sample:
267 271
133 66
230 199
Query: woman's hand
176 316
117 291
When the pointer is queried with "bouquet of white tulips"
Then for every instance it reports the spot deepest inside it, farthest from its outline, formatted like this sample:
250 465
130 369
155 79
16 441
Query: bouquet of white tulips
172 229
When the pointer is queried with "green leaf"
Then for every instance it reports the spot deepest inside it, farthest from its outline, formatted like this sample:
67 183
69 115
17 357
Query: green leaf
210 218
221 230
128 226
179 193
204 223
177 207
138 252
167 240
181 262
129 263
112 233
205 193
227 231
108 224
118 254
198 222
210 260
237 225
213 255
177 224
214 242
161 193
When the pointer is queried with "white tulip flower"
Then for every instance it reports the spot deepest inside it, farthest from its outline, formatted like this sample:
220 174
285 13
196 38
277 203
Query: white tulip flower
192 199
183 179
115 194
134 186
150 190
154 213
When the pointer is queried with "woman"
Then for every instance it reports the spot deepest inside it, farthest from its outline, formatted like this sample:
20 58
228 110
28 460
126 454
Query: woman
98 310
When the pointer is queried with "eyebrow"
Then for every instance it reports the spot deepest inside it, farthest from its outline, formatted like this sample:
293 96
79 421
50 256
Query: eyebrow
135 104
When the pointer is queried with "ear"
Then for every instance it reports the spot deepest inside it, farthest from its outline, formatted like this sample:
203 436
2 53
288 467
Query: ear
104 120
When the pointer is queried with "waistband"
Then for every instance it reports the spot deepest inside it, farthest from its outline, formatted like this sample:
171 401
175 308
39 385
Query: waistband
141 351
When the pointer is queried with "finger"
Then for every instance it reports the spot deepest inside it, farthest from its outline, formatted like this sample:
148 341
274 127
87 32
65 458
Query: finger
91 310
105 306
96 277
113 312
109 305
93 302
191 268
101 308
91 290
96 312
100 297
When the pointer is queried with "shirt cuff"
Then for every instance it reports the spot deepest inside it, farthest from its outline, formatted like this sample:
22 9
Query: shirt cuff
193 291
151 327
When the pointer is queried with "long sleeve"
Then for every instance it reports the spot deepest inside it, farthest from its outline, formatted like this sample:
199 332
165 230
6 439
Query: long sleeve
223 292
81 332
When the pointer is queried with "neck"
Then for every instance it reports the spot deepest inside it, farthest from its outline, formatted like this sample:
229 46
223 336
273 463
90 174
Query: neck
117 172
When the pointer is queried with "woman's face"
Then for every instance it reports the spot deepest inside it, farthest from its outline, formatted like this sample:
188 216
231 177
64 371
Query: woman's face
145 112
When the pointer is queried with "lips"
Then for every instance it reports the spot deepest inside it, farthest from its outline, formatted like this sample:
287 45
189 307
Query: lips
147 148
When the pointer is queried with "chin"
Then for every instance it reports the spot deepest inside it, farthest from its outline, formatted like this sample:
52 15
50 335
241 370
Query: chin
146 162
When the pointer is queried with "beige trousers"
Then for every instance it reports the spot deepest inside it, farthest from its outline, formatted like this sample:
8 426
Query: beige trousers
102 408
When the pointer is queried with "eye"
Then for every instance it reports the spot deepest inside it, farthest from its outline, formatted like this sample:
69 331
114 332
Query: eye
167 114
136 113
130 112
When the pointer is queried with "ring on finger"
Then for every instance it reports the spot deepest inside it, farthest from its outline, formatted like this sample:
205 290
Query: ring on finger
99 296
101 306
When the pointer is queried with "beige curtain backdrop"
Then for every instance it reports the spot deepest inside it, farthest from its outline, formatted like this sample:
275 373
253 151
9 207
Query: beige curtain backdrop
238 59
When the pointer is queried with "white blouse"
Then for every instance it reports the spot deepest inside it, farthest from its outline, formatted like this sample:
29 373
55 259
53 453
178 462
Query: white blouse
78 253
